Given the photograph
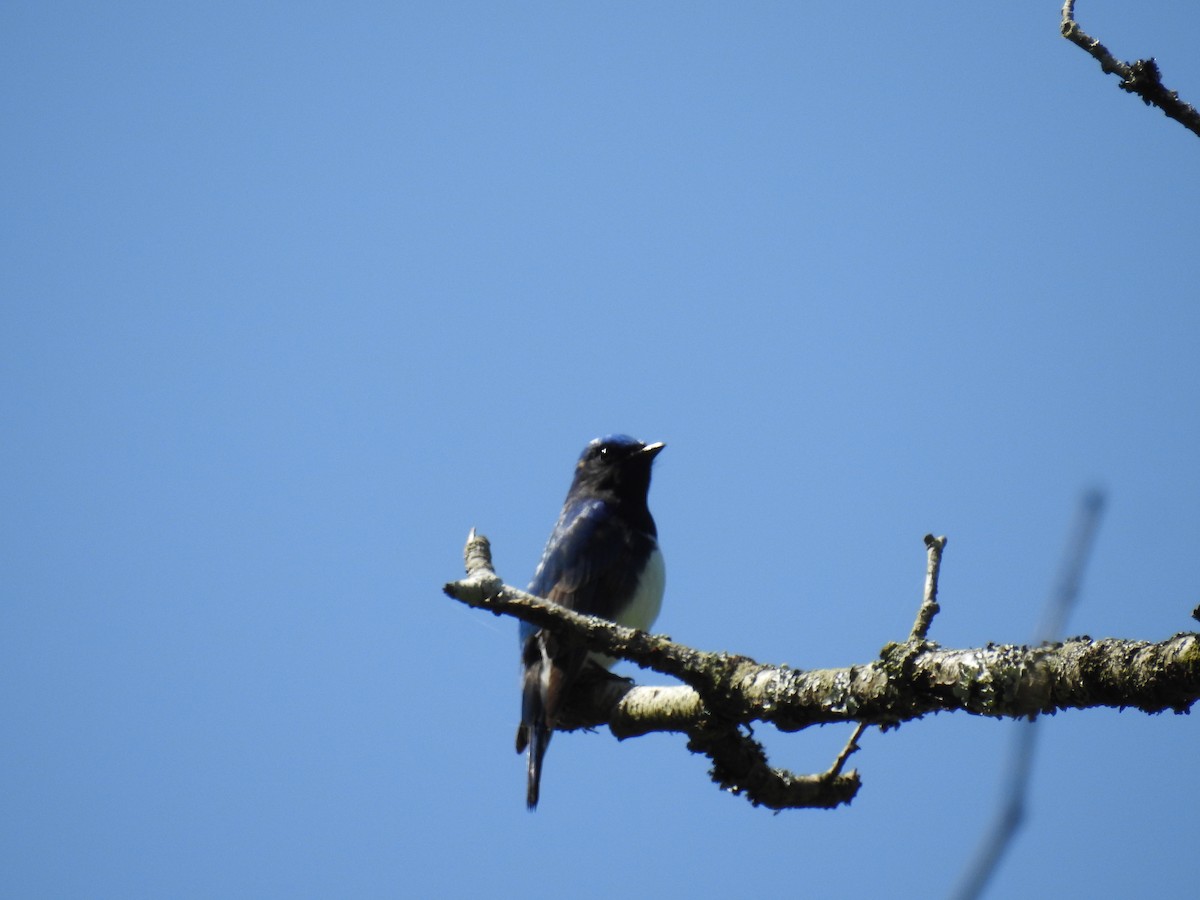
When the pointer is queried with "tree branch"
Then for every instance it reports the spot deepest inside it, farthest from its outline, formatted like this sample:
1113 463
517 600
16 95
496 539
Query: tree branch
1140 77
724 694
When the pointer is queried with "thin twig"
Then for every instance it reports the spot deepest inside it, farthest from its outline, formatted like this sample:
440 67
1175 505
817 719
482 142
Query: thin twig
920 630
929 605
1140 77
850 748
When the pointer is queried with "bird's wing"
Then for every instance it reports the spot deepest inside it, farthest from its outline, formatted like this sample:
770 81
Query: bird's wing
585 564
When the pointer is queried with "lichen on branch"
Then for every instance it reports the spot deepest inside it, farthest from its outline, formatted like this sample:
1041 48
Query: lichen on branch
724 695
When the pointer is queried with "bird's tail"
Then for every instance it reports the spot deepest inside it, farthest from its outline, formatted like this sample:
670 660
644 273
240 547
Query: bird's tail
541 693
539 741
534 732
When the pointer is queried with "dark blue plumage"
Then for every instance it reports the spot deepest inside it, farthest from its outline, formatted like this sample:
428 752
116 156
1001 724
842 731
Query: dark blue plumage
602 559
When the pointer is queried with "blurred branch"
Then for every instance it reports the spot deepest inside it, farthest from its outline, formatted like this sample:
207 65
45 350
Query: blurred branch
1011 814
1079 548
1140 77
723 694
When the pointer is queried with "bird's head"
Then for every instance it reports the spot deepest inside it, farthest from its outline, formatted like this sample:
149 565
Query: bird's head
616 464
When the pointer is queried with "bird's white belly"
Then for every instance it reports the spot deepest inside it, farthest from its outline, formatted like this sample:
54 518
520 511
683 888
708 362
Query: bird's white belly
647 602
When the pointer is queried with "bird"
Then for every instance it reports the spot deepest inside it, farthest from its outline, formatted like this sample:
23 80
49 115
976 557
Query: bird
602 559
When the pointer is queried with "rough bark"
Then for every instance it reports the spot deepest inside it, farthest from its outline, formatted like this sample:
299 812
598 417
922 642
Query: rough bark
723 695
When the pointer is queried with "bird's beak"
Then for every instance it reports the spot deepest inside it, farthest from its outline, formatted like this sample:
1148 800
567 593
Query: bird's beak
652 450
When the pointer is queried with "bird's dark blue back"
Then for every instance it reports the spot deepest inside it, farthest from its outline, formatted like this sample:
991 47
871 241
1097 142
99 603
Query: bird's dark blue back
592 561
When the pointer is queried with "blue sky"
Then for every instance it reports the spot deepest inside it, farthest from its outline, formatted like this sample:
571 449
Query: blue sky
296 294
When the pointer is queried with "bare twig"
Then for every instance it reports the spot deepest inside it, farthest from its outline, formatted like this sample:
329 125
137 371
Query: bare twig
920 631
1140 77
708 673
929 605
850 748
